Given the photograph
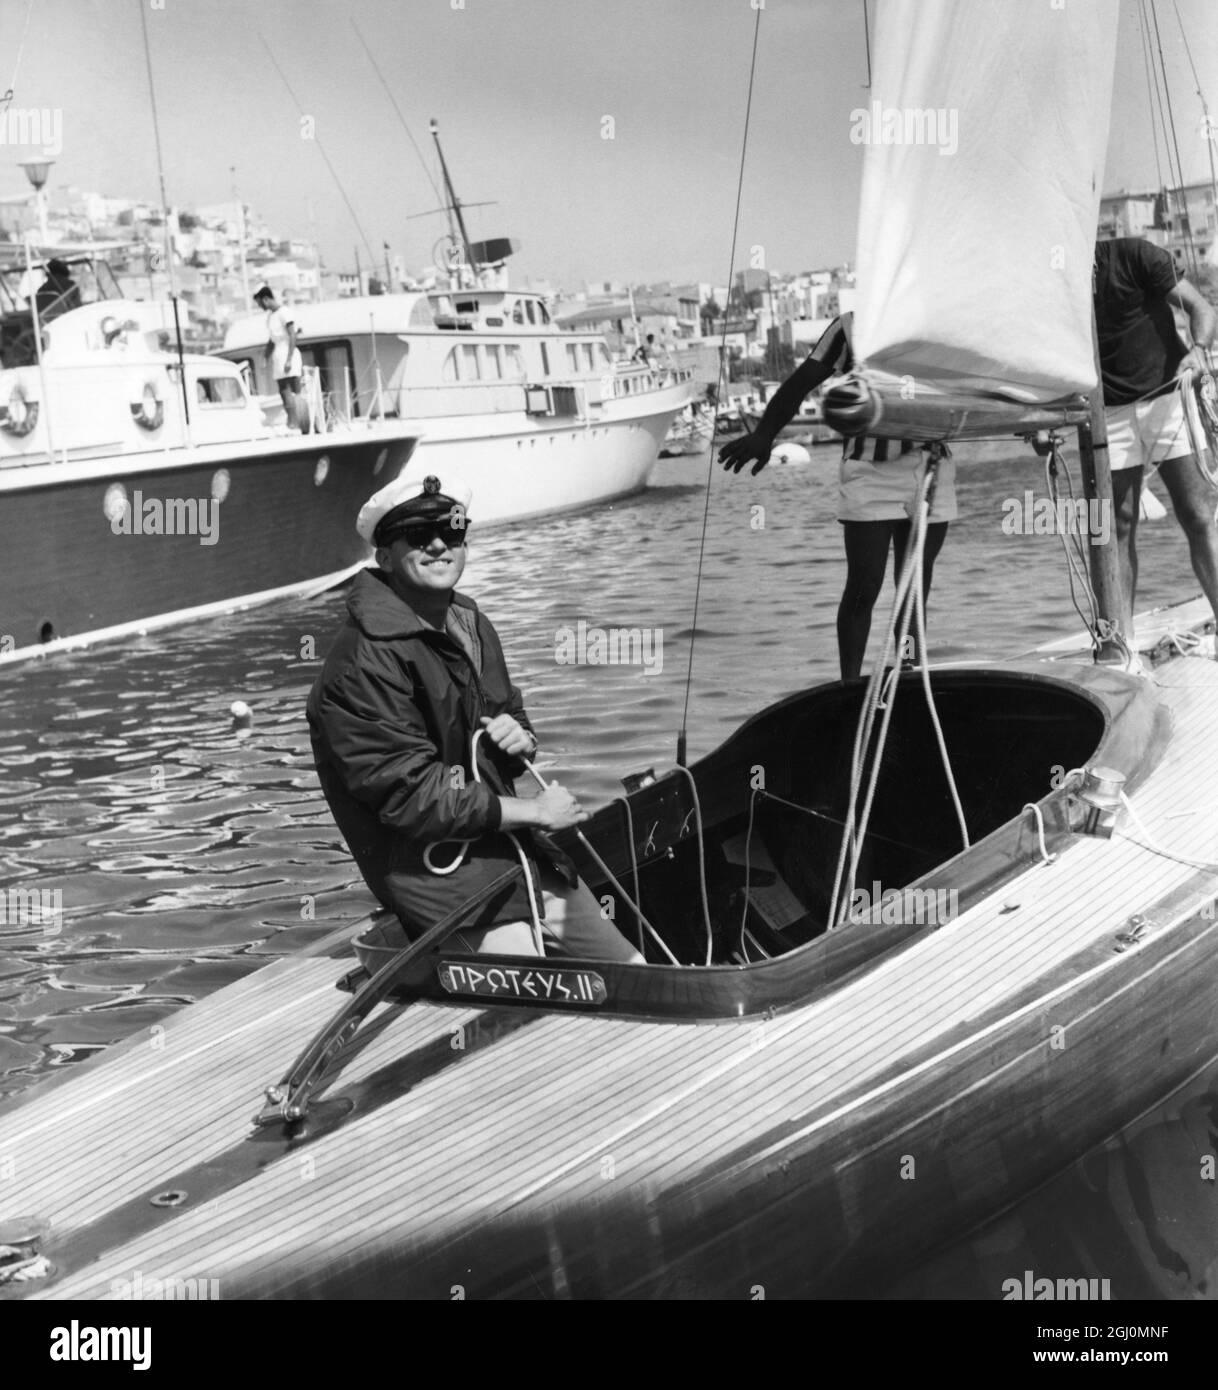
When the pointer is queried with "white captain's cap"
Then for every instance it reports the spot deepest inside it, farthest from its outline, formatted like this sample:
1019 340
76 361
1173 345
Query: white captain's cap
405 501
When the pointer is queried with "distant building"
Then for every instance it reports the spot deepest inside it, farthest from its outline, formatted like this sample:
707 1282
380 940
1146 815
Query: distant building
616 320
1171 218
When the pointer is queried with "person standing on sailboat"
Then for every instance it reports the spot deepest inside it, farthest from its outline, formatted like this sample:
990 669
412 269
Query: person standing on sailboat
879 486
415 672
1136 289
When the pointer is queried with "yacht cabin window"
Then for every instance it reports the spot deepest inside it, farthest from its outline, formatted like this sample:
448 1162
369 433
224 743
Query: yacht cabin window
219 390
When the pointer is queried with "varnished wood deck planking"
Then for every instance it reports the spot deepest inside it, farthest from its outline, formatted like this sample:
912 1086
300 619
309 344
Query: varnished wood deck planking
525 1120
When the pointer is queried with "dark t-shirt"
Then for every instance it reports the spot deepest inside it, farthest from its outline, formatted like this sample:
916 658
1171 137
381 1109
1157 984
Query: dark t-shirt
1140 347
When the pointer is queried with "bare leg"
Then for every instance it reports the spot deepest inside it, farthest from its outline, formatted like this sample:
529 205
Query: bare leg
288 397
1126 496
1193 499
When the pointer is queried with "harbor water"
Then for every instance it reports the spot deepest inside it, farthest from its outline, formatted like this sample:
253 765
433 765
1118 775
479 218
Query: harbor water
181 850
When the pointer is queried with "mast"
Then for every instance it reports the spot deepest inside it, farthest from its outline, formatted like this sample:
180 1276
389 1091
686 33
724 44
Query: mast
245 272
453 200
1110 598
173 288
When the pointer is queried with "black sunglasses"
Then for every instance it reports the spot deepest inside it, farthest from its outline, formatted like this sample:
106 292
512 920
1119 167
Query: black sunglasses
420 535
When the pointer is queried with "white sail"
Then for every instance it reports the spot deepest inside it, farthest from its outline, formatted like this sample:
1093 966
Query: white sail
985 134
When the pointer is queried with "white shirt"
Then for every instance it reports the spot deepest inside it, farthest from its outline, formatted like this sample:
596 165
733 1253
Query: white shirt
283 363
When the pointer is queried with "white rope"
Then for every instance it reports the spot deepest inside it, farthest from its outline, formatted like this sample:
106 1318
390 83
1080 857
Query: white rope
924 667
6 97
1076 563
1148 842
1199 400
903 612
748 845
1040 831
911 607
636 908
534 908
860 832
706 917
634 865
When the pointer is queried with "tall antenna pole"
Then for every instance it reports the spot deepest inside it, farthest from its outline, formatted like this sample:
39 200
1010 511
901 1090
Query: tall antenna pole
453 200
245 273
160 169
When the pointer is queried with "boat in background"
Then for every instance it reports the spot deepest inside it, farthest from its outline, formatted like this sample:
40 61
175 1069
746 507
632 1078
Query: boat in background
807 426
142 485
535 418
689 433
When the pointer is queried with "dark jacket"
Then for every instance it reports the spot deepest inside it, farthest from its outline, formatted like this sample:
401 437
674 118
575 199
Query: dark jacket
390 717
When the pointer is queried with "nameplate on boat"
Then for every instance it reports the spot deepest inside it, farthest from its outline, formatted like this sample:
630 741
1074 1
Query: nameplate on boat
525 983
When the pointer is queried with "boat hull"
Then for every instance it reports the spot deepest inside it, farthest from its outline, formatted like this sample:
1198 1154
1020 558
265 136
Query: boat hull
103 547
460 1149
518 468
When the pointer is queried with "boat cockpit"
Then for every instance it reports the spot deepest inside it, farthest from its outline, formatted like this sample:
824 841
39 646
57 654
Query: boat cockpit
724 874
727 873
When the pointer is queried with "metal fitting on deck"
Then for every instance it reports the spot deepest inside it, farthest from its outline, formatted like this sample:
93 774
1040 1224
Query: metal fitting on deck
1094 805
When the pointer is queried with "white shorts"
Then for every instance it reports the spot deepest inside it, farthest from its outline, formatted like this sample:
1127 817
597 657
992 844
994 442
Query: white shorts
1144 434
572 926
887 491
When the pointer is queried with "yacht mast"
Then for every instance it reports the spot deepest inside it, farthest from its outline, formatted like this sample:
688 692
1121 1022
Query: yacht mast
454 201
160 169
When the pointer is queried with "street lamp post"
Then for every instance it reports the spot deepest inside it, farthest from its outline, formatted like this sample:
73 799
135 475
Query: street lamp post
36 170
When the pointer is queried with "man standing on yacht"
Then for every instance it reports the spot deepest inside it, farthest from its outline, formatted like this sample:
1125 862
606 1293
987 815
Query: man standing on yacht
284 355
1142 357
415 672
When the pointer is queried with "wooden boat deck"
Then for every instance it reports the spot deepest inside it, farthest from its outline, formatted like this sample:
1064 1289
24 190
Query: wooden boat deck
471 1123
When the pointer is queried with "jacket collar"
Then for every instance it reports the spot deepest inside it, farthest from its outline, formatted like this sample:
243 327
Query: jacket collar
380 613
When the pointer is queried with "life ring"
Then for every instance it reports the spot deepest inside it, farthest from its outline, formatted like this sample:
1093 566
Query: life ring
19 414
148 405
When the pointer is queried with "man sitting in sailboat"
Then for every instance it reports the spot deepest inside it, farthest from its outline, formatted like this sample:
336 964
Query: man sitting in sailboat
1142 359
418 733
879 478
